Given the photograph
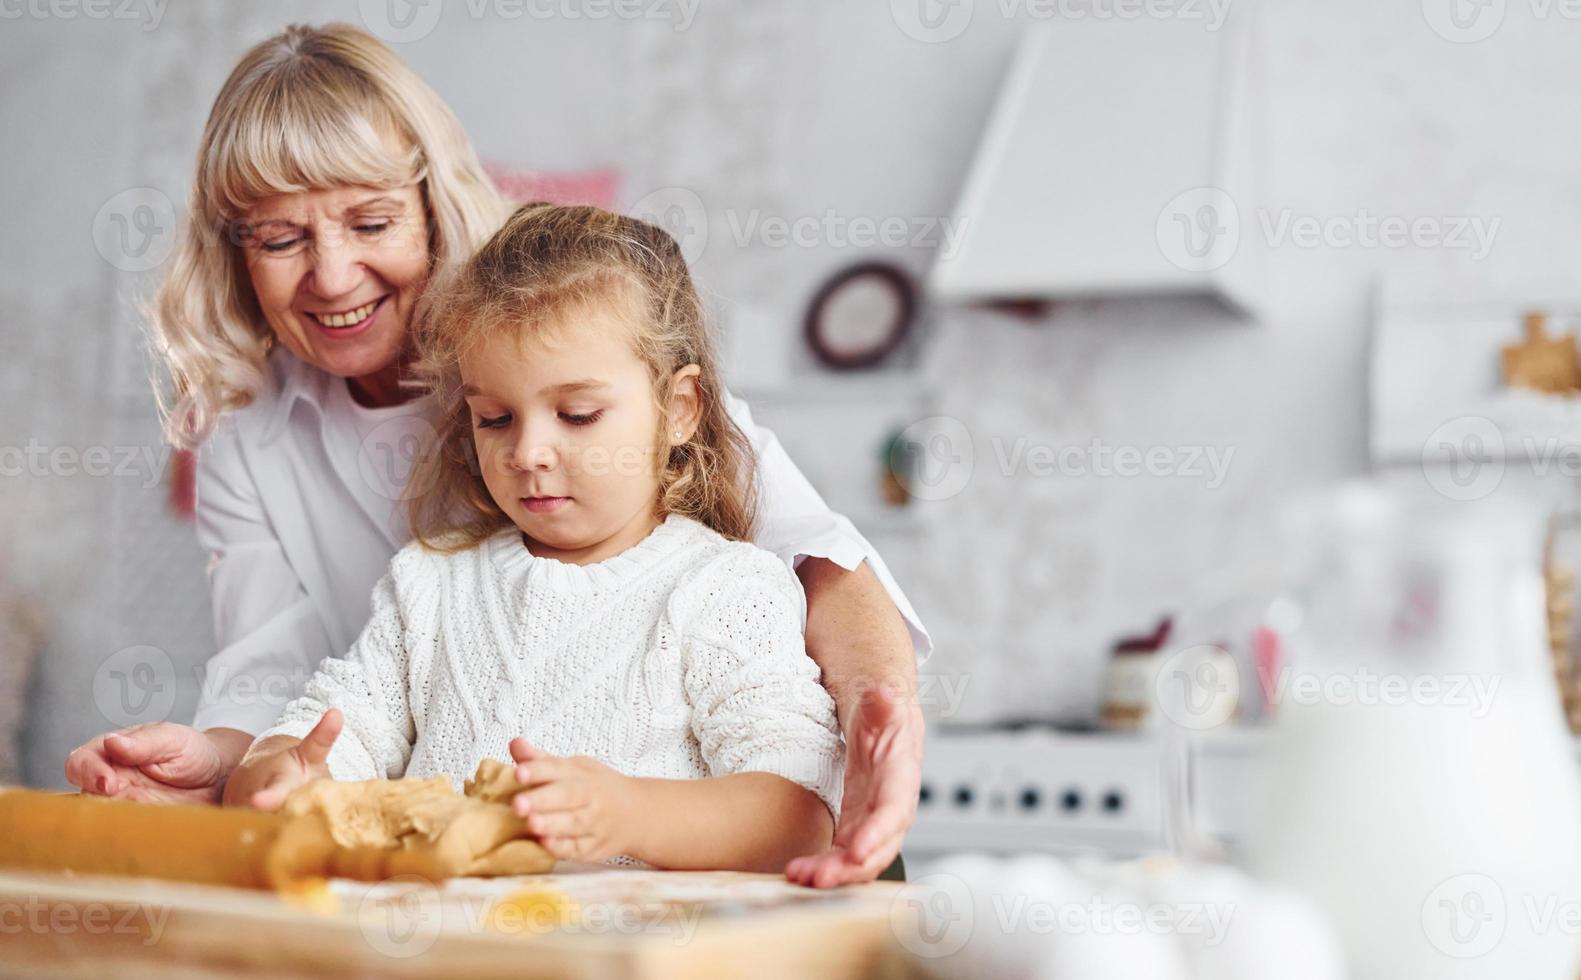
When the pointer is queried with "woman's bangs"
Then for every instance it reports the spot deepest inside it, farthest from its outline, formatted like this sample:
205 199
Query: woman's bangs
298 139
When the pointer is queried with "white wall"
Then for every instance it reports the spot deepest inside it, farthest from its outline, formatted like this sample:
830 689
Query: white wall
803 109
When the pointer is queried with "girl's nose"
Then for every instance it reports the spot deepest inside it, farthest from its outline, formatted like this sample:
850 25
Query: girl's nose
532 452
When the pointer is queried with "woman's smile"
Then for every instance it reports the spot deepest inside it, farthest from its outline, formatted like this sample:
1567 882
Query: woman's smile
348 323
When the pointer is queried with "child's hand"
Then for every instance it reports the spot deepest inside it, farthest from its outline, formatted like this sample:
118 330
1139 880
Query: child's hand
273 768
578 808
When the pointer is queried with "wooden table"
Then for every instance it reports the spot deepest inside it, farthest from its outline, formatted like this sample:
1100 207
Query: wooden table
627 923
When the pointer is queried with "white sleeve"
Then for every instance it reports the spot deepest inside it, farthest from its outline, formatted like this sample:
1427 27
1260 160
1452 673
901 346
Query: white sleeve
370 687
797 524
757 704
269 632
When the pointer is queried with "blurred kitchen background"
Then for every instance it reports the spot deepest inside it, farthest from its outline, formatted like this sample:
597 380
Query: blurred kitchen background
1161 267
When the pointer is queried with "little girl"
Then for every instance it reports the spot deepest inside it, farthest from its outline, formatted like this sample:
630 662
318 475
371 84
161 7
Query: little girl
580 593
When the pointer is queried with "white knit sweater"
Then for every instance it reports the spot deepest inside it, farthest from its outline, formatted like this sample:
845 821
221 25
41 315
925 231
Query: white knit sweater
682 657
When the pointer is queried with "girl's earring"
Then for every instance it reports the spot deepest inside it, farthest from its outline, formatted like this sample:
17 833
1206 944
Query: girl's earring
677 435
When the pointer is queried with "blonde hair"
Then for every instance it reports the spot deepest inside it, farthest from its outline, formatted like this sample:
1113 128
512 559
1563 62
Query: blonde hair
309 108
545 260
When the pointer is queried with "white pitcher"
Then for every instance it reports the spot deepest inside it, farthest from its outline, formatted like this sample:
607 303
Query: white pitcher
1423 789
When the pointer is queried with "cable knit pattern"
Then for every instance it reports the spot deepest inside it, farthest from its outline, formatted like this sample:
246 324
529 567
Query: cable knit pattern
681 658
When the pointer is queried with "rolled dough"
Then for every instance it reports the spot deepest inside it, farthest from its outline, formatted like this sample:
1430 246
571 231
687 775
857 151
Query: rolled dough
382 828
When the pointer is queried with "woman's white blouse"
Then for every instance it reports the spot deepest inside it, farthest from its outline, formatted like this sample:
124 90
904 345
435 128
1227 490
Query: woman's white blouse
298 505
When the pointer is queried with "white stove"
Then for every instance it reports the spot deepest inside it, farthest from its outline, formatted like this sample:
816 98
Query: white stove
1061 792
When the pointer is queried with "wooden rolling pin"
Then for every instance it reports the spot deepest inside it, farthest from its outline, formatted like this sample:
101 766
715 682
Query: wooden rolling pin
370 831
210 845
95 835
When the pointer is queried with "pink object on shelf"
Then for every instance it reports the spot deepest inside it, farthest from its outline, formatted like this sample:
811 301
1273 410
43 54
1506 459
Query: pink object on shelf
1266 654
599 187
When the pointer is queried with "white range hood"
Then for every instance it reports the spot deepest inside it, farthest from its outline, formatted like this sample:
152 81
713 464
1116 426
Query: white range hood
1114 164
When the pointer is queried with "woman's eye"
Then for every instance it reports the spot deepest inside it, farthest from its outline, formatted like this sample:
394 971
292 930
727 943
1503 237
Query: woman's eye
281 245
497 422
372 228
588 419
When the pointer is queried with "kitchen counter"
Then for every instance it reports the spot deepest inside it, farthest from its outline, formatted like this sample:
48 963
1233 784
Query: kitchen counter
580 921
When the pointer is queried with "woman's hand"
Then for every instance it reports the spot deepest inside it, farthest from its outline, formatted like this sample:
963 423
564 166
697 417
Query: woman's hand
276 766
859 640
160 763
578 808
883 774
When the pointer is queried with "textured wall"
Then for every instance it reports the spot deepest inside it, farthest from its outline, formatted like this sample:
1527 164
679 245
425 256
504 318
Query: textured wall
802 111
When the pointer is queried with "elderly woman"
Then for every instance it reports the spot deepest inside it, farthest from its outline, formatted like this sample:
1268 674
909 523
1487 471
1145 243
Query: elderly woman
330 182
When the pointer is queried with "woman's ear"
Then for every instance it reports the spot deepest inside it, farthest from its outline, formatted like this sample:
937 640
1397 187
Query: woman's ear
686 405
